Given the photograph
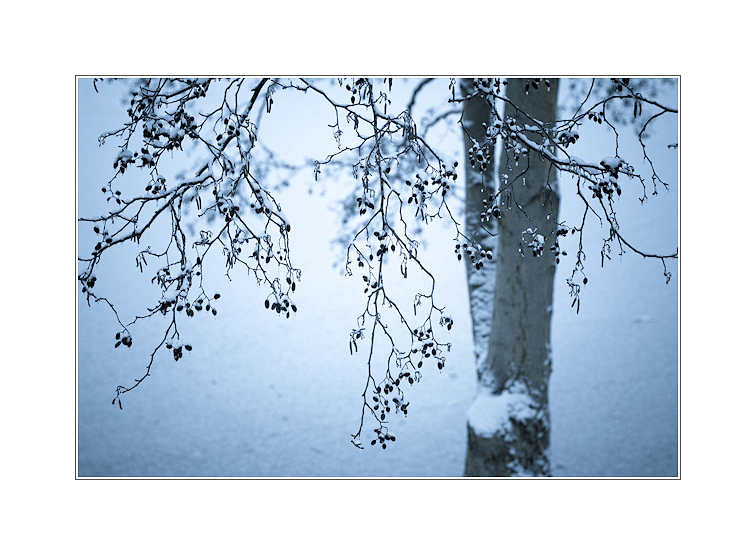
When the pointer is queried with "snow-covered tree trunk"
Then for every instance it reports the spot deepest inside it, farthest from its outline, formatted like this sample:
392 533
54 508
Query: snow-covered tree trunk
481 184
508 422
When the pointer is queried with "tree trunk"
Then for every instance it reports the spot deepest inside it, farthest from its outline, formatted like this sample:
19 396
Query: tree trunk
480 184
508 422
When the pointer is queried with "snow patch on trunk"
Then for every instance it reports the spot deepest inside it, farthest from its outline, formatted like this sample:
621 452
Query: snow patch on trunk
481 283
492 414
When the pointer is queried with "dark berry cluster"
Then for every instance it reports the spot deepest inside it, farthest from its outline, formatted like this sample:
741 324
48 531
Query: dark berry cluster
493 131
385 396
123 160
163 135
479 155
535 82
281 306
475 252
447 322
383 437
369 285
104 240
491 209
166 304
232 130
452 173
429 348
88 281
156 186
606 187
178 349
423 189
384 244
185 122
261 208
400 405
363 203
228 210
535 243
562 231
567 138
487 85
123 339
197 306
381 402
359 89
411 381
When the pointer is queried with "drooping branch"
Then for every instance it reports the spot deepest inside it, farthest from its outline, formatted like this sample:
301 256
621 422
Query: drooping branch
223 194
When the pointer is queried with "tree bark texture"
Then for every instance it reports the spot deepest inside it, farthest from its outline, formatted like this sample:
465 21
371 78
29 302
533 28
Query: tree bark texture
480 184
509 422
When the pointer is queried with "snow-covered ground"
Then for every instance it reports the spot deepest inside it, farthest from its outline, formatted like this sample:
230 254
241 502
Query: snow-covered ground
261 395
